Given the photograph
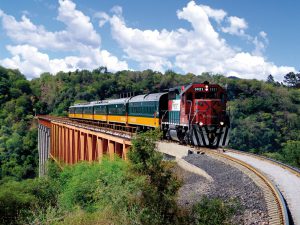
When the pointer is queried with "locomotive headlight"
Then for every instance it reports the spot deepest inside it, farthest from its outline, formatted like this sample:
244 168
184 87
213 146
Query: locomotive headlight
201 124
221 123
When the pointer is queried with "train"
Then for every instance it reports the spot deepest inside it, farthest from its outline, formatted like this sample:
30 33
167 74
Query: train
192 114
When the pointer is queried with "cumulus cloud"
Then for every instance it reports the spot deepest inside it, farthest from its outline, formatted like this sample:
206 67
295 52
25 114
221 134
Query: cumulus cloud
103 18
117 10
217 14
237 26
30 61
79 30
78 38
200 49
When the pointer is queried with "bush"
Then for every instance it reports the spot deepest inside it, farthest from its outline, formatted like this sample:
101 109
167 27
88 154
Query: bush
13 202
19 199
105 187
291 153
212 212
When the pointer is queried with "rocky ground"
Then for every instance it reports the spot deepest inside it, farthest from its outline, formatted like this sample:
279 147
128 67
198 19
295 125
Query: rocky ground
228 183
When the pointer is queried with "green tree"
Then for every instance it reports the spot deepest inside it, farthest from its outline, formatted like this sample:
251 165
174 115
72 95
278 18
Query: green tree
212 212
292 79
291 153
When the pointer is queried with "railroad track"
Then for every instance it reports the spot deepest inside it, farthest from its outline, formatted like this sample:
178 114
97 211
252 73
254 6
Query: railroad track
276 206
293 170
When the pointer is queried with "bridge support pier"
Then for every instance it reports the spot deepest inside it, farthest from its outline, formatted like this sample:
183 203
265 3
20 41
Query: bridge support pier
43 148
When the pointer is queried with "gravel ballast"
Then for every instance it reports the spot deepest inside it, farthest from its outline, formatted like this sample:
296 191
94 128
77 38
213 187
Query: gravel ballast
287 182
228 183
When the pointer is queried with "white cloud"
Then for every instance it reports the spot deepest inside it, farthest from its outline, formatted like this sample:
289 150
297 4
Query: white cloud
263 35
31 62
117 10
79 27
79 30
254 67
78 38
200 49
237 26
217 14
260 42
104 18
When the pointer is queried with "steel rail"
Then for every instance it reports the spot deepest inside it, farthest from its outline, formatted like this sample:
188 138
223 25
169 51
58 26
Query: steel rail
292 169
277 209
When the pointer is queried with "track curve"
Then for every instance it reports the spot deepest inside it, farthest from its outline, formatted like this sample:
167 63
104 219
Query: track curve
276 206
286 178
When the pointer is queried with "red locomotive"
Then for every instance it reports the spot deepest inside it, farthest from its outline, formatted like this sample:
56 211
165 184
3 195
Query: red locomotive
197 115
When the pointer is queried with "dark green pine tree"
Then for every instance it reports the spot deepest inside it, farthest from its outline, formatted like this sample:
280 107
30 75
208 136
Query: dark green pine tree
292 79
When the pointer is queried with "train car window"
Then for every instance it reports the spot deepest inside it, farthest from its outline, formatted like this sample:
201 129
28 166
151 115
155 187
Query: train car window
78 110
189 96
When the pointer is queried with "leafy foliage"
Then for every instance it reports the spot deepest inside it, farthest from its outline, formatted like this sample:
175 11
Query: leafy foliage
17 199
213 211
292 79
291 153
18 136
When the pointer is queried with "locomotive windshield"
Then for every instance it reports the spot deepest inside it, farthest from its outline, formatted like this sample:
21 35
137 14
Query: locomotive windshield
203 95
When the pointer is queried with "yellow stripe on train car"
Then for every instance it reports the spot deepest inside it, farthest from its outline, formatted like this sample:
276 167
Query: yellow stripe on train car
88 116
144 121
77 115
100 117
71 115
117 119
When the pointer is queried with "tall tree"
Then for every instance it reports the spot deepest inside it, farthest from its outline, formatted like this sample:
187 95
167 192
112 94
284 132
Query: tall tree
292 79
270 79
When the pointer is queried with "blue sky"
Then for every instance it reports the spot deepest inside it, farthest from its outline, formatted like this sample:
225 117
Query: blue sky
248 39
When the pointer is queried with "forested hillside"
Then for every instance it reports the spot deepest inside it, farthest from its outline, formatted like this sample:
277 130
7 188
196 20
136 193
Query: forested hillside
265 116
18 136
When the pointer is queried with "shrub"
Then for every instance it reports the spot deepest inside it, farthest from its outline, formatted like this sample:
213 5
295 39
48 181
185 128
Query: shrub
14 201
105 187
212 212
291 153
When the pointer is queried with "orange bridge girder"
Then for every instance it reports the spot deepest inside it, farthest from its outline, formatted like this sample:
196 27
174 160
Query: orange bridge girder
69 144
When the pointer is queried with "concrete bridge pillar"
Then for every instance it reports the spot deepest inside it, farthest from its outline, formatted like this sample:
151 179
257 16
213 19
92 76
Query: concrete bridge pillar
43 148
